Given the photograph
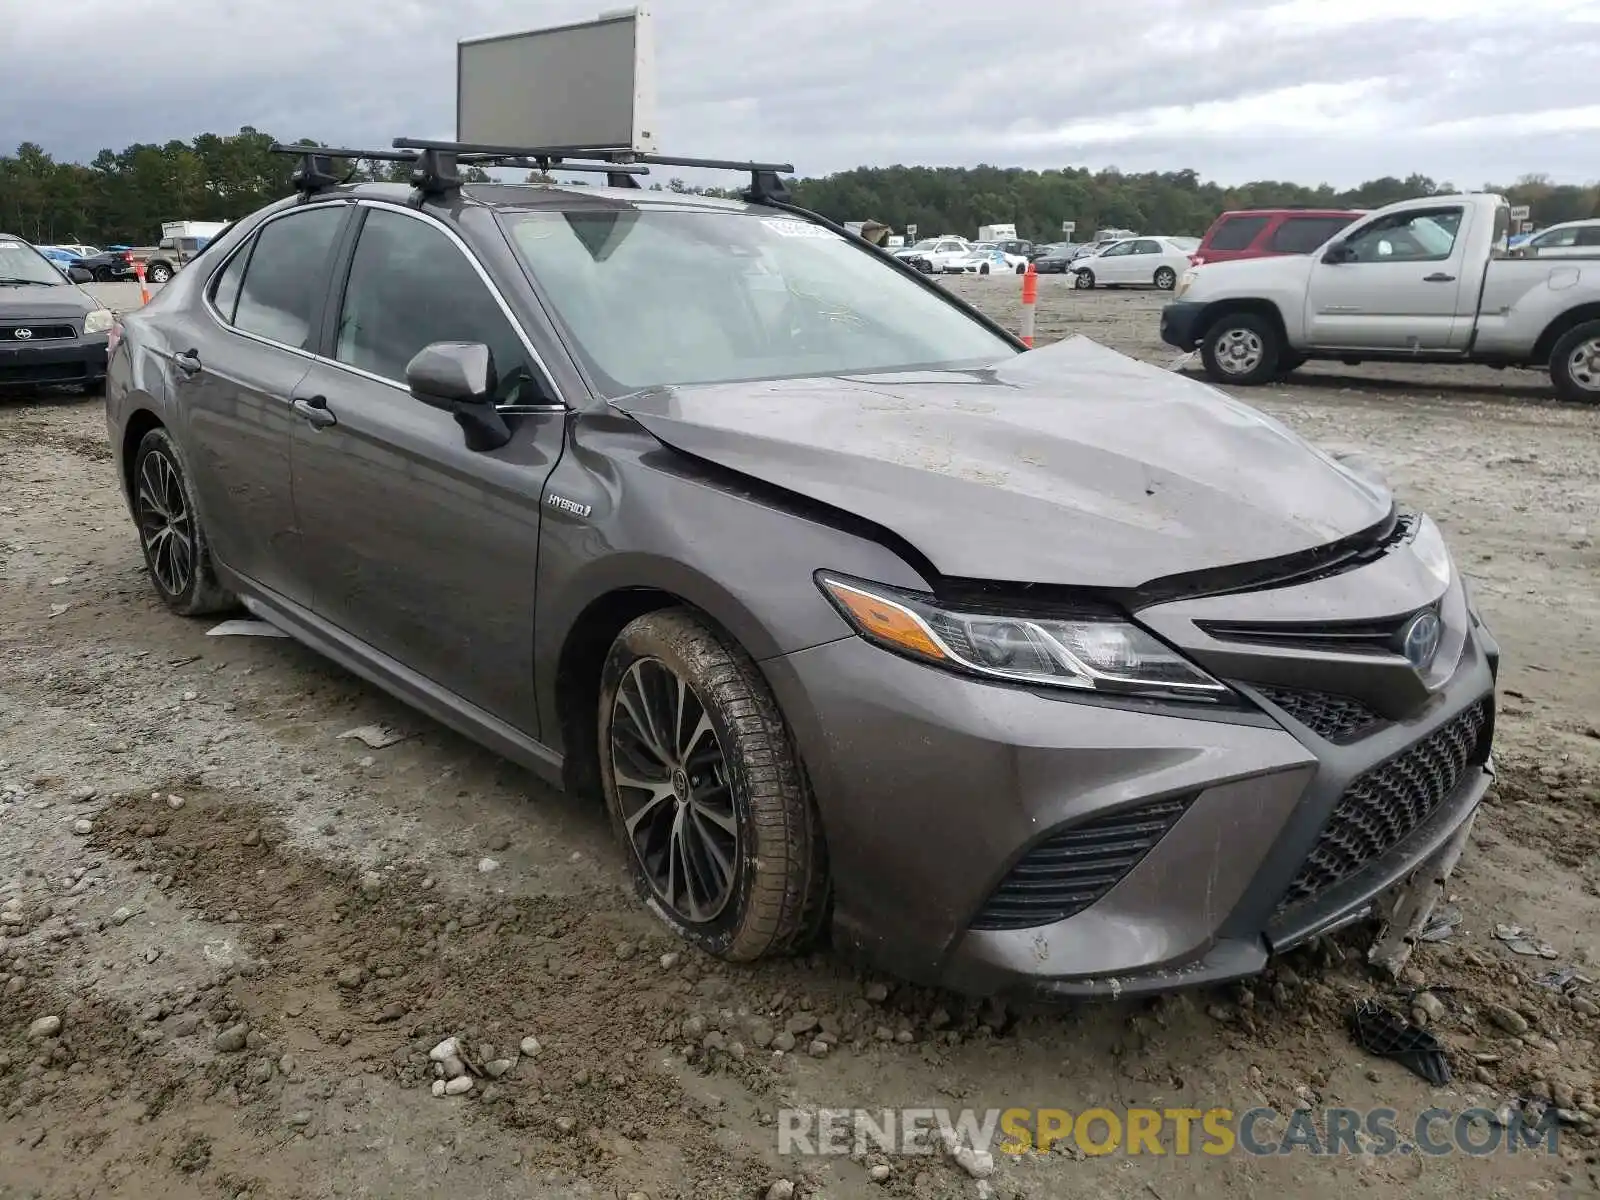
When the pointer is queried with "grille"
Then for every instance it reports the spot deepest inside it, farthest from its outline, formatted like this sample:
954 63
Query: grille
40 333
1070 870
1337 636
1338 719
1384 806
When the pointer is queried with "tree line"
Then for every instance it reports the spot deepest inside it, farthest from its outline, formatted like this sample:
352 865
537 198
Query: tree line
123 196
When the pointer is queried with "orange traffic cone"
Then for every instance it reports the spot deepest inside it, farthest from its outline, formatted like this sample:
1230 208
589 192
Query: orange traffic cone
1030 297
144 292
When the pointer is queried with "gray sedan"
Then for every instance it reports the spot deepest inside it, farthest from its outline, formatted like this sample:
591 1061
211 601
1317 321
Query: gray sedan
1045 672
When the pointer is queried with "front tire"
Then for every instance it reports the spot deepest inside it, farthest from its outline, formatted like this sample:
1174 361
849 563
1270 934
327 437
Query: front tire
1575 363
1241 348
984 269
1166 279
160 273
176 552
706 791
1084 281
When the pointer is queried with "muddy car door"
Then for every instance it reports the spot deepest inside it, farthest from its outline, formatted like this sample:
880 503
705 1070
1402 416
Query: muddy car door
420 546
234 373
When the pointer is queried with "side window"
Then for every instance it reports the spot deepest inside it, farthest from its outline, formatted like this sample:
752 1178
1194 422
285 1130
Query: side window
1146 246
1588 235
284 284
410 285
1237 233
225 288
1302 235
1417 236
1561 237
1119 249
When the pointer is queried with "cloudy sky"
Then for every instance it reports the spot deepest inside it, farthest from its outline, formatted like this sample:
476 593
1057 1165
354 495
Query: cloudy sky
1311 90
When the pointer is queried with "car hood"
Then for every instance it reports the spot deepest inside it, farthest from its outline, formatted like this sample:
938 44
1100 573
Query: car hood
62 301
1235 275
1070 464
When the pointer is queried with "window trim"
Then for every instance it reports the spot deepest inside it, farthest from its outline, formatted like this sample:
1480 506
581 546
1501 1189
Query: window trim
334 300
248 247
1409 215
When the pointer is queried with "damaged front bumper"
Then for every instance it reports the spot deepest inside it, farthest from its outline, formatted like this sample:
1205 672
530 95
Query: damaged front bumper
1002 840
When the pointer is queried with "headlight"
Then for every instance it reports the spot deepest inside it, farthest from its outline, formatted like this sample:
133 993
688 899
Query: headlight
1089 654
1185 282
1428 545
98 321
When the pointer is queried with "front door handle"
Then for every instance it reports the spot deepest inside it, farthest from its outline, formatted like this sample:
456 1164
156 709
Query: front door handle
188 361
314 409
1438 277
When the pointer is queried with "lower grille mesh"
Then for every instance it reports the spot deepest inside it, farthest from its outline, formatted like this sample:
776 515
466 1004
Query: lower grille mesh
1070 870
1338 719
1387 804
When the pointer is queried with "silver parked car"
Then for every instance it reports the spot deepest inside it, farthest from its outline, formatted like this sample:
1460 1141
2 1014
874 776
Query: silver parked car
1045 672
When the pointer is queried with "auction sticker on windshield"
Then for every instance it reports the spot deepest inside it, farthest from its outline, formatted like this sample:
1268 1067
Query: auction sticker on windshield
787 228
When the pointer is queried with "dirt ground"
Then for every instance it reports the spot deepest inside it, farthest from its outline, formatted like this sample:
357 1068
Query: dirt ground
252 931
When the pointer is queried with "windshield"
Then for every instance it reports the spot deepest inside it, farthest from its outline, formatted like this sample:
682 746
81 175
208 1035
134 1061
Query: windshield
926 244
20 263
653 298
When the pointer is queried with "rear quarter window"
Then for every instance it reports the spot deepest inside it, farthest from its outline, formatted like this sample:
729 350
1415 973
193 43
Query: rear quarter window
1236 233
1302 235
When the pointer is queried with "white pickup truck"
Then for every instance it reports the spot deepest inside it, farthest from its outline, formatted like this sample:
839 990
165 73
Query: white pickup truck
1420 281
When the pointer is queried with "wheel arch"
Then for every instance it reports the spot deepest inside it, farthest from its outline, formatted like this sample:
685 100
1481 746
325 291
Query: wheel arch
1217 309
140 422
1554 331
569 704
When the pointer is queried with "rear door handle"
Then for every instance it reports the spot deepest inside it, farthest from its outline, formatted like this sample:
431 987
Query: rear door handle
188 361
314 409
1438 277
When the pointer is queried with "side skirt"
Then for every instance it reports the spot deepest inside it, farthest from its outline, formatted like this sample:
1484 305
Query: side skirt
400 681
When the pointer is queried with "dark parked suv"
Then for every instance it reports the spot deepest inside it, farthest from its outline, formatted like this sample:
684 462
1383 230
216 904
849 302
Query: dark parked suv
1260 232
1042 671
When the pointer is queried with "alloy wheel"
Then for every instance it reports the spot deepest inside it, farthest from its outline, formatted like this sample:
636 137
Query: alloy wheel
1239 351
166 527
1583 365
674 791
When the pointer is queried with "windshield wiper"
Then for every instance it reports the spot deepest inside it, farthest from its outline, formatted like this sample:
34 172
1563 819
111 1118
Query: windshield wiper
14 280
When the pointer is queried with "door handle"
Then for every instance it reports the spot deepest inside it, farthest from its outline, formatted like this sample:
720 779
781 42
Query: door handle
314 409
1438 277
188 361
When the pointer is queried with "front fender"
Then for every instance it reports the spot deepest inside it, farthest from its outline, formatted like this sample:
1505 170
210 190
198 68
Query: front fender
661 520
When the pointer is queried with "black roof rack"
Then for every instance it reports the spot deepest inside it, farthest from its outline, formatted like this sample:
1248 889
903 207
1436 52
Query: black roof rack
437 165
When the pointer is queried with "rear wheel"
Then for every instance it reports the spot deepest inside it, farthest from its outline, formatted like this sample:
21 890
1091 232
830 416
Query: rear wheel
1575 363
1166 279
176 552
1084 281
1022 268
1241 348
706 791
102 274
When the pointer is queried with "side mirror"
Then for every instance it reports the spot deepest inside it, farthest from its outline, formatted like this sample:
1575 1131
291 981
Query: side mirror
80 275
459 377
1339 252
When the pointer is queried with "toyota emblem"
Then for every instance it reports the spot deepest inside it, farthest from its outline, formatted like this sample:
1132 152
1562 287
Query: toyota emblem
22 334
1420 639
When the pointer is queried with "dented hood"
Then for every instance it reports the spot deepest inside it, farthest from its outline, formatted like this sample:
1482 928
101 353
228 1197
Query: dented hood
1071 464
